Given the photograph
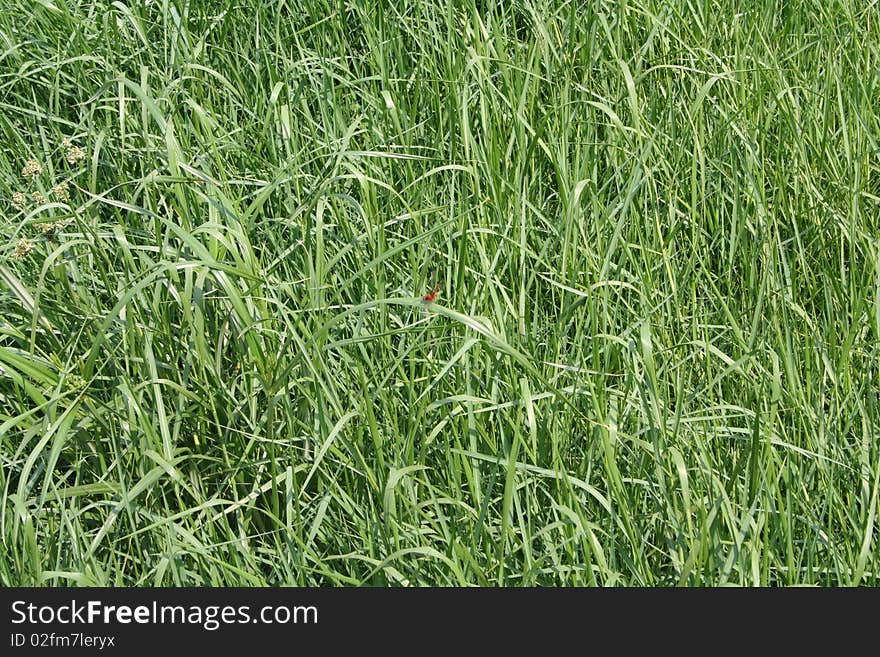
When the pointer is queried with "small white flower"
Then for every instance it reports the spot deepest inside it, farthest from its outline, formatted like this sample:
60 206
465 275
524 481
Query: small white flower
31 169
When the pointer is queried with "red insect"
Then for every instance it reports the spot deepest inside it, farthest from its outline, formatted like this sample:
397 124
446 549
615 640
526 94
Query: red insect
428 298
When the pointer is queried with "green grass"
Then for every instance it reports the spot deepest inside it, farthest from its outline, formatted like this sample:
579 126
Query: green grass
655 354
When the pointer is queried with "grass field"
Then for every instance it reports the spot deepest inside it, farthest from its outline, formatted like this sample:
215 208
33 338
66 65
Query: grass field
654 355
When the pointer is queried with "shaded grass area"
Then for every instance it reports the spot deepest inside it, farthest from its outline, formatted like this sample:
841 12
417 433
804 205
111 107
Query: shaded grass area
653 358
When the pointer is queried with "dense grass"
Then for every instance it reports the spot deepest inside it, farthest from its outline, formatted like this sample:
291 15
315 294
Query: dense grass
653 359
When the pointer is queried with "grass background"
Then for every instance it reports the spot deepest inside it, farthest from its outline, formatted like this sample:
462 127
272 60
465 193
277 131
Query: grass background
653 359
